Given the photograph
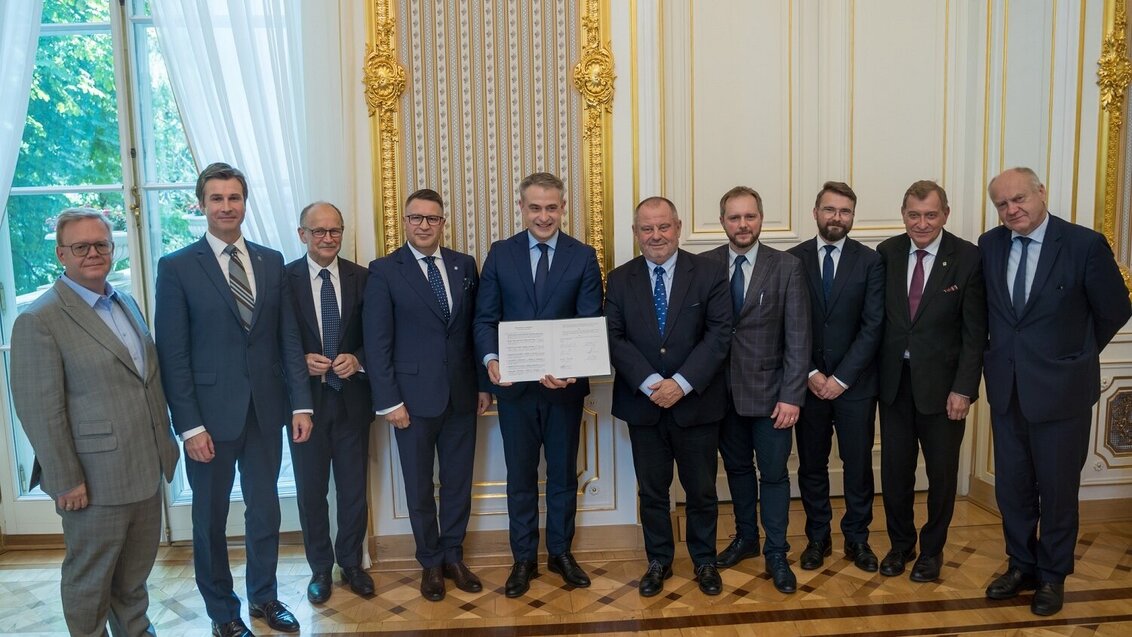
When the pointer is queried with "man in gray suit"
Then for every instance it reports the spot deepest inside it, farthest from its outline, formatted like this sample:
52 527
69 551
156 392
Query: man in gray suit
87 391
766 379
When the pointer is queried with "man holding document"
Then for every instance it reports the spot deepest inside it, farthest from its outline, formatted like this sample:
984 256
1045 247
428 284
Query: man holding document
669 315
540 273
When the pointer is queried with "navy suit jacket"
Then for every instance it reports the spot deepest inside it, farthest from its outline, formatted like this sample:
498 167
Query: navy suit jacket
946 337
697 335
846 330
1051 353
212 369
352 281
507 293
413 355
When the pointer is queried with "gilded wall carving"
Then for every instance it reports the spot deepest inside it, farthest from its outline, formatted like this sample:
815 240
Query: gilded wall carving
1114 192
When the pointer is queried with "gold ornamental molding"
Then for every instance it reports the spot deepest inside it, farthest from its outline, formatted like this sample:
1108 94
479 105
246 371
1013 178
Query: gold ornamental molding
1114 74
593 77
384 80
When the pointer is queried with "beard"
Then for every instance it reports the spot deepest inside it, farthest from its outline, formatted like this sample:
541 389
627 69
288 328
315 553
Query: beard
833 233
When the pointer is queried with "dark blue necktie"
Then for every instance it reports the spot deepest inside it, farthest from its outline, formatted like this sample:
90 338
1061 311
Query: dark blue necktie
1019 295
542 268
738 287
331 326
660 298
437 285
827 271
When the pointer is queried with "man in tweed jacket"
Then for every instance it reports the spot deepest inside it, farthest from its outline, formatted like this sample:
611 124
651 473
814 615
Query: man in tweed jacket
766 378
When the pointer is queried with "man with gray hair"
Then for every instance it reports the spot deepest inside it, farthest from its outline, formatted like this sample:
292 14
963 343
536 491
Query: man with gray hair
87 390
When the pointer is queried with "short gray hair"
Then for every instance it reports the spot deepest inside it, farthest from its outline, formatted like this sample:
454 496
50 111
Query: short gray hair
71 215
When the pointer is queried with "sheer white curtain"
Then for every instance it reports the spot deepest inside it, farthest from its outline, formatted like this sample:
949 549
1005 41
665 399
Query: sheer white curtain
19 38
236 71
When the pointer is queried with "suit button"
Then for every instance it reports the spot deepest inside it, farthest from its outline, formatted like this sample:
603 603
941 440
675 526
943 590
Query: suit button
663 350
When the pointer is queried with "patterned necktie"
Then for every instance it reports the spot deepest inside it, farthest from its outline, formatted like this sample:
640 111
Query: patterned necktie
542 269
827 272
238 281
916 290
331 326
1019 296
437 285
660 298
738 287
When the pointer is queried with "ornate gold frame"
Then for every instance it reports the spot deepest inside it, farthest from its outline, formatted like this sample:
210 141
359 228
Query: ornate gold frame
1114 74
384 80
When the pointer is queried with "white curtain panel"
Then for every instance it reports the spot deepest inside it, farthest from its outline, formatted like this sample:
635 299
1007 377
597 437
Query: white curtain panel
19 38
236 71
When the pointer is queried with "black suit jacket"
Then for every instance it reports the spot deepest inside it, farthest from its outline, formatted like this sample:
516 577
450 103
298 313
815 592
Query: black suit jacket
946 337
697 335
846 330
1077 303
352 280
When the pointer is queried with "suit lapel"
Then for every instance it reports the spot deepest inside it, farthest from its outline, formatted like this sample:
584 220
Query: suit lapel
349 299
207 260
563 254
810 260
641 287
681 281
259 271
91 323
301 288
898 266
995 262
455 281
149 352
521 258
850 253
939 272
411 271
760 270
1051 245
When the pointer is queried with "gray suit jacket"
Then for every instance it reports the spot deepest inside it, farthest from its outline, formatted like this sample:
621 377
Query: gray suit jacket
770 343
90 416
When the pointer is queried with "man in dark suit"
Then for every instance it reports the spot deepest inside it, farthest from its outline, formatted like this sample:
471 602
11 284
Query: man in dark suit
539 273
1056 298
669 325
846 281
232 362
766 381
87 392
420 301
326 295
935 329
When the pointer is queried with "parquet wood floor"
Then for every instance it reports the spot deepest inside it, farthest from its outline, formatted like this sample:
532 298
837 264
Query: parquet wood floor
836 600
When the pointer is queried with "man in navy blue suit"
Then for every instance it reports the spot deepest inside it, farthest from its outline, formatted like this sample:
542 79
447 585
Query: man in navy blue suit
326 296
846 281
420 301
539 273
1055 298
233 369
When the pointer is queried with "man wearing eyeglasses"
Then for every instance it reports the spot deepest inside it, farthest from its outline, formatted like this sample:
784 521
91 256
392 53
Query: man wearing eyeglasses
86 388
326 294
419 305
232 362
539 273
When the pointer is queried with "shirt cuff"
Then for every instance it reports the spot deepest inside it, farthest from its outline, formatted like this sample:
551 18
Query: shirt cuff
812 372
389 410
843 385
490 357
192 432
651 380
302 411
684 384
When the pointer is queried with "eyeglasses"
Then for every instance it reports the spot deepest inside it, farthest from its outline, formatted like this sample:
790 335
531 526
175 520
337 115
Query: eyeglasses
433 220
81 249
319 233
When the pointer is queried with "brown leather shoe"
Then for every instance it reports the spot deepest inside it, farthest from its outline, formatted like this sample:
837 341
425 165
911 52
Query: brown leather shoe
432 583
464 578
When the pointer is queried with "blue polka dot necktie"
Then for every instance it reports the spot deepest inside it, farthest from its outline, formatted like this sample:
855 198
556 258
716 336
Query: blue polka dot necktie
660 298
331 326
437 285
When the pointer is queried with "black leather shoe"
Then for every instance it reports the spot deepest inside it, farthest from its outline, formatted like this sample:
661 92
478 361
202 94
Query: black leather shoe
1048 599
652 582
318 591
740 549
1009 584
519 581
779 570
276 614
360 582
464 578
708 577
234 628
566 566
893 563
813 556
432 583
926 568
862 555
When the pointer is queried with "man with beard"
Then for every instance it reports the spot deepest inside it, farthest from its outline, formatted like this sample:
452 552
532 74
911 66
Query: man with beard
766 376
668 336
846 281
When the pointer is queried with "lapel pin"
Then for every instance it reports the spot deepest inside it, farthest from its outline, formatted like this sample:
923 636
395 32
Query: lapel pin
945 264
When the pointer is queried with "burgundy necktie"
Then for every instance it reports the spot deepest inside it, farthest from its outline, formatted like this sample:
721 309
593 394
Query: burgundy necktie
916 290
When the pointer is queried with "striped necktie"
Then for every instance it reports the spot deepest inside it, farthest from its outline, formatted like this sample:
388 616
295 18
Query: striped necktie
238 281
